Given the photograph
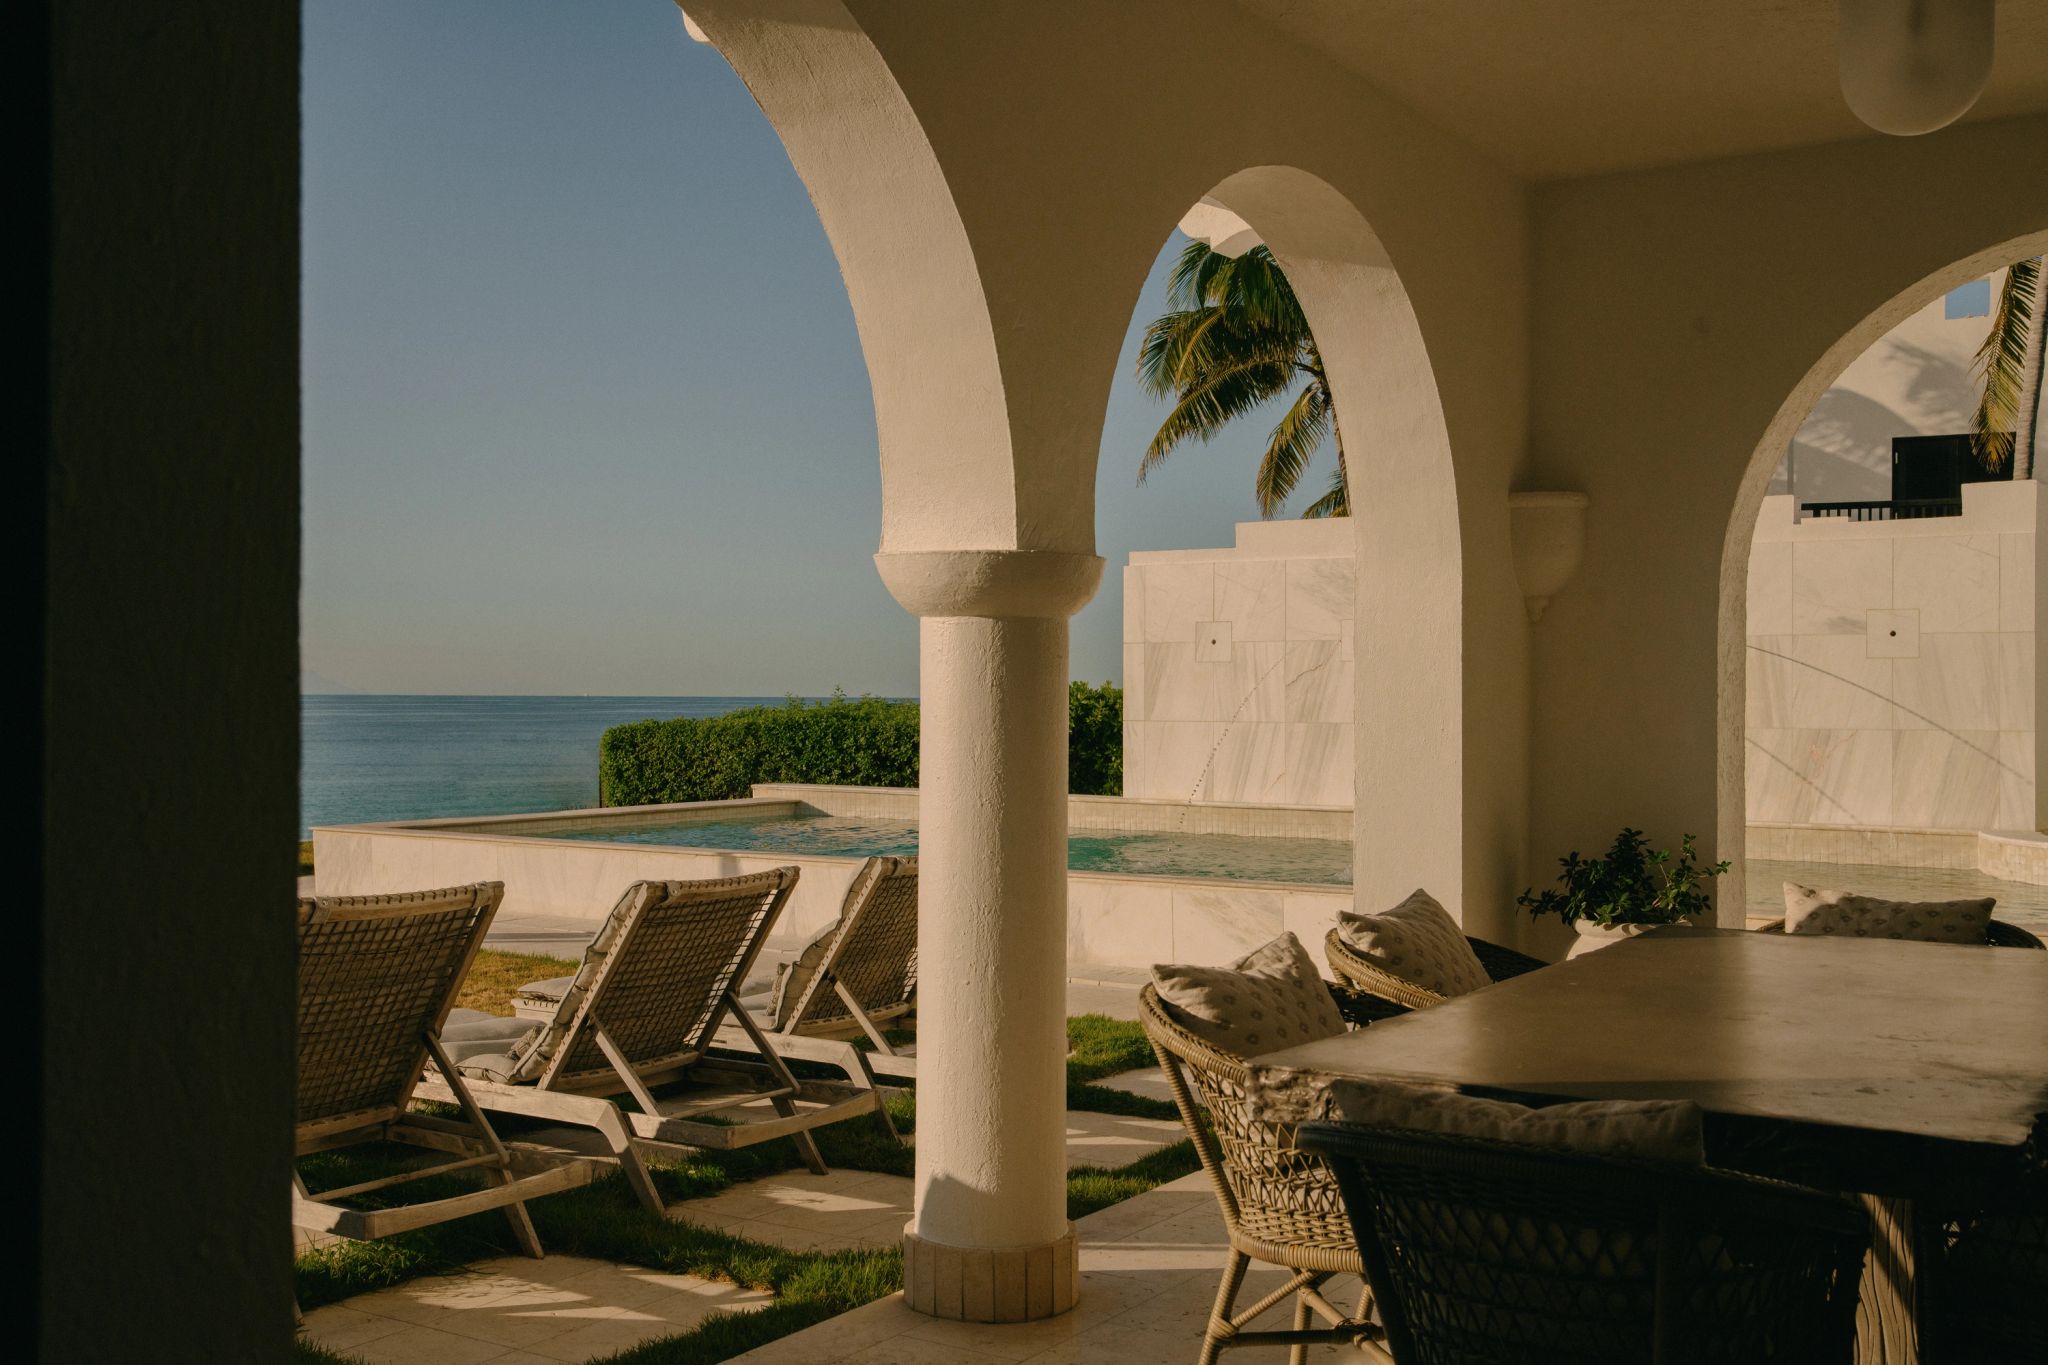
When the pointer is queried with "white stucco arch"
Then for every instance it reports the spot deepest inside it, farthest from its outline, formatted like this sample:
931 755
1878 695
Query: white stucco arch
1732 748
1408 655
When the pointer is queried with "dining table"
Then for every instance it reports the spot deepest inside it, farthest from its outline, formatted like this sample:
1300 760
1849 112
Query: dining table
1909 1074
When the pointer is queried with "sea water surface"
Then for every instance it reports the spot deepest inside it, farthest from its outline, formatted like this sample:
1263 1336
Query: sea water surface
365 758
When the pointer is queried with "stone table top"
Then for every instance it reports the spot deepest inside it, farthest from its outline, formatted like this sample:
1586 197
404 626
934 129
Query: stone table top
1928 1040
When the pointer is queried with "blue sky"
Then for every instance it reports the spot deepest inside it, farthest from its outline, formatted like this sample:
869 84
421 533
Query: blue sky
585 410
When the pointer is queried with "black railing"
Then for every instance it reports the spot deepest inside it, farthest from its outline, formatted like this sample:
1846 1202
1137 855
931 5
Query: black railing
1898 509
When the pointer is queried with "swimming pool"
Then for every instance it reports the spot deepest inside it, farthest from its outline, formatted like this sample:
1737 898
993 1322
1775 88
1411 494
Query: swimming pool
1143 853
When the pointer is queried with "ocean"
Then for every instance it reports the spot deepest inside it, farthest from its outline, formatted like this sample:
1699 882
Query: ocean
365 758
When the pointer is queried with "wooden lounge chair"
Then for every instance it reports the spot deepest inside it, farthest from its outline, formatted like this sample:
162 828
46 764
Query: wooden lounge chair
1280 1204
1482 1251
1361 973
377 976
1997 934
642 1011
865 977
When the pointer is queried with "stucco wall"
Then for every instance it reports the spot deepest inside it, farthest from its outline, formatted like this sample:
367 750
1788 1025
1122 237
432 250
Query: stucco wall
1891 666
169 688
1237 668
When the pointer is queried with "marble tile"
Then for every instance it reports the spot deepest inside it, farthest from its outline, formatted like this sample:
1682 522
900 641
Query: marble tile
1252 596
1134 603
1953 580
1117 921
1222 925
1177 759
1834 584
1893 634
1134 758
1310 915
1320 598
1318 682
1318 761
1134 680
1251 685
2018 776
1176 597
1959 681
1770 588
2018 703
1836 685
1946 779
1819 777
1345 646
1212 642
1250 763
1772 677
2017 582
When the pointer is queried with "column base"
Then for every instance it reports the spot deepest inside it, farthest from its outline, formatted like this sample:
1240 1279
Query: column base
976 1284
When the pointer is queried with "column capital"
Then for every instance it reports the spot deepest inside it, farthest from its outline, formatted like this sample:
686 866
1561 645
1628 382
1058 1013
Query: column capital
995 583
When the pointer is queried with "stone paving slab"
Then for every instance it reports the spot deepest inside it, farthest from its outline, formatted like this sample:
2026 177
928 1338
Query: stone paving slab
512 1310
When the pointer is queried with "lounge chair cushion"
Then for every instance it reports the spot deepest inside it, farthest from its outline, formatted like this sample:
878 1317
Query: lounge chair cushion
793 976
526 1055
474 1039
1271 998
548 992
1848 915
1417 941
1646 1130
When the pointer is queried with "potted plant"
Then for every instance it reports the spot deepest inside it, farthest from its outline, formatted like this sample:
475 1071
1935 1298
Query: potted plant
1633 888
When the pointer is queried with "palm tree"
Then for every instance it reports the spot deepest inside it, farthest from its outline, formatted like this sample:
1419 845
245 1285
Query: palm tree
2003 429
1235 337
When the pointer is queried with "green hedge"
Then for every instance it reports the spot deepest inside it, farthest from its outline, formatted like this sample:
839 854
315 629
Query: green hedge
863 742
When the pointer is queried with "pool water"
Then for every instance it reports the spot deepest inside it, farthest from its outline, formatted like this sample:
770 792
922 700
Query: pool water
1237 857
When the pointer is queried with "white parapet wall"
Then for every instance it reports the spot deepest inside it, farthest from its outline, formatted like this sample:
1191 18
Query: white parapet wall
567 886
1892 680
1237 668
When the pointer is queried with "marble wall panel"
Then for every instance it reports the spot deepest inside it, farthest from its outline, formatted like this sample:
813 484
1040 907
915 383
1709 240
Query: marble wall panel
1770 588
1955 684
1318 681
1176 759
1251 595
1773 673
1120 920
1217 926
1134 759
1320 598
1319 764
1945 779
1820 777
1134 680
1837 685
1250 765
1134 603
1251 685
1177 597
1310 915
1835 583
2016 586
1953 580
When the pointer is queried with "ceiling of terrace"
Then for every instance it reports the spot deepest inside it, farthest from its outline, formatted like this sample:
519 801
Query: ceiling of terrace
1560 88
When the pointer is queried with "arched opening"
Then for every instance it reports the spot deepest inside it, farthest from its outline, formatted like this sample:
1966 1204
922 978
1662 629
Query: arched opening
1878 698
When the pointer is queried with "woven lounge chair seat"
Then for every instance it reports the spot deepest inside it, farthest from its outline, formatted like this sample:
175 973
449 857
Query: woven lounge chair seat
1360 973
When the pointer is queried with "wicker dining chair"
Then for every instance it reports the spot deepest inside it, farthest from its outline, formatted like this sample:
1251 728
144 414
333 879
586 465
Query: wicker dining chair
1481 1252
1280 1204
1998 934
1982 1271
1361 973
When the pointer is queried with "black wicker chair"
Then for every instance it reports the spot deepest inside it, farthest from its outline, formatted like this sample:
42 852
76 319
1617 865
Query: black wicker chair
1983 1271
1481 1253
1361 973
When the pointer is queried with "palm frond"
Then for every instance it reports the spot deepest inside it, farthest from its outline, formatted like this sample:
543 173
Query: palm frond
1211 405
2001 364
1296 438
1336 500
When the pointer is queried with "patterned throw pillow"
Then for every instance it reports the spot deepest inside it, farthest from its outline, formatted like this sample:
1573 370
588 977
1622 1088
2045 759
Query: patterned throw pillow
1848 915
1269 999
1417 941
1648 1130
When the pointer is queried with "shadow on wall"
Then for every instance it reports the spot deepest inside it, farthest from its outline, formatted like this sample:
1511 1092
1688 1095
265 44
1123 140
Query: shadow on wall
1844 449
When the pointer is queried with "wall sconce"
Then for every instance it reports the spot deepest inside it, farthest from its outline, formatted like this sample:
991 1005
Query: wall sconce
1911 66
1547 533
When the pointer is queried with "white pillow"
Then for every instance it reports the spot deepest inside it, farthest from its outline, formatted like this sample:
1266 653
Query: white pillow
1848 915
1417 941
791 977
1271 998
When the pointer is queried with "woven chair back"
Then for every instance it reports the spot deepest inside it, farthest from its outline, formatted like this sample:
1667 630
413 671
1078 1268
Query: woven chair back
1481 1252
670 953
875 955
376 975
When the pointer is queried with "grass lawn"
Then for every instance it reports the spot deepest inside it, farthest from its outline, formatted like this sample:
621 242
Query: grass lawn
494 976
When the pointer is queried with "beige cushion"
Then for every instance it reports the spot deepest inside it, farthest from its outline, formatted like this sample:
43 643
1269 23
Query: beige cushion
1649 1130
791 977
1849 915
1417 941
1271 998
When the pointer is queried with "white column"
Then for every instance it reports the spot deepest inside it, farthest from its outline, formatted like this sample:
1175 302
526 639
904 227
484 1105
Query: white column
990 1240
